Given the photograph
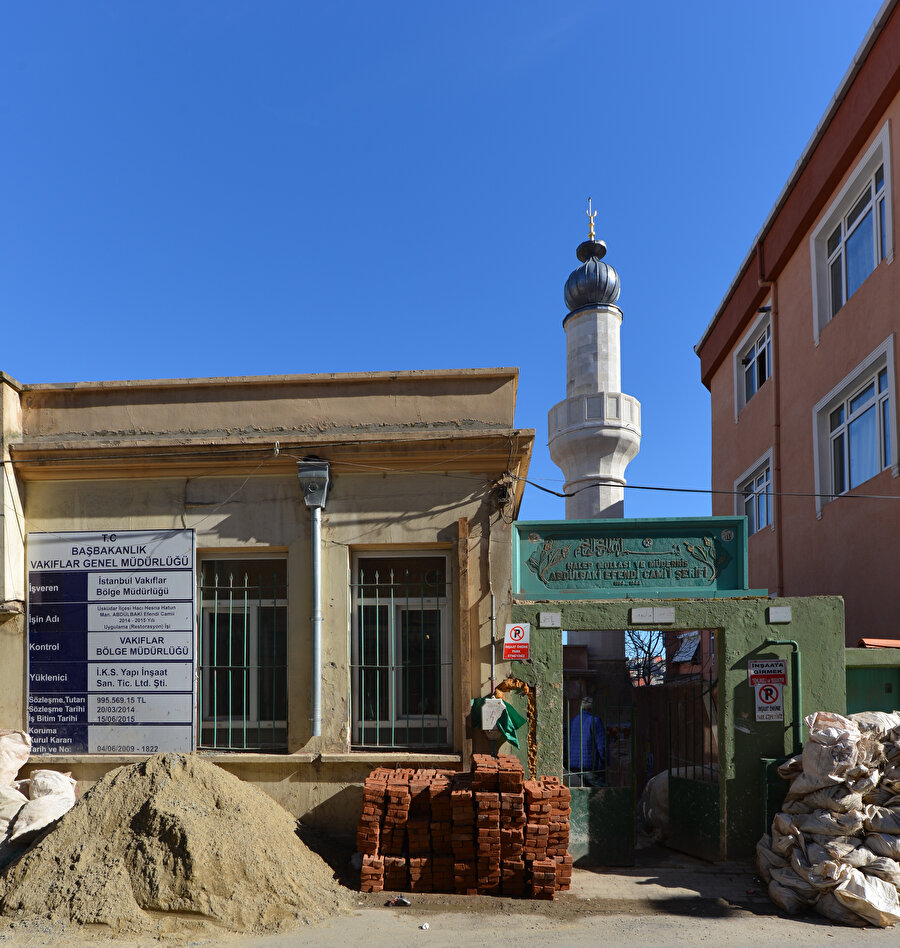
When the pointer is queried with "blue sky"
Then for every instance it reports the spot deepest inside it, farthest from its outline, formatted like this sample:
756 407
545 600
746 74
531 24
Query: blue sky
248 188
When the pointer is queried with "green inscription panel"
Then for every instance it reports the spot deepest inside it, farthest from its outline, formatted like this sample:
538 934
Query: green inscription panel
617 559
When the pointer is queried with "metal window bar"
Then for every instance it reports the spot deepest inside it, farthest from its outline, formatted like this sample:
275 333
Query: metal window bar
243 668
598 737
693 722
401 672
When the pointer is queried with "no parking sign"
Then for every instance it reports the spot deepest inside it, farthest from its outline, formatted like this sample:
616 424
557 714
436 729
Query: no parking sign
516 640
768 678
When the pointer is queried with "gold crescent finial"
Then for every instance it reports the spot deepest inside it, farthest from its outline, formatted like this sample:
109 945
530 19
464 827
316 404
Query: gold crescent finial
591 214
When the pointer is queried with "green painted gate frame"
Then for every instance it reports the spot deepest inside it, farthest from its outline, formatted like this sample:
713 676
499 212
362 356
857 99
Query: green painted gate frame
817 625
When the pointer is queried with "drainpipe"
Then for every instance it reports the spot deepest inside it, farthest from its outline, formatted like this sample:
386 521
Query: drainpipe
777 486
314 481
797 700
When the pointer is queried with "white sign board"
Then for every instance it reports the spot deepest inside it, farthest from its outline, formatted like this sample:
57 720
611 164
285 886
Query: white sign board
516 641
111 642
769 702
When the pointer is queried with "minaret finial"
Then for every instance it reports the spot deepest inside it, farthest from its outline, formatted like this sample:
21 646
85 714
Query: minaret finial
591 214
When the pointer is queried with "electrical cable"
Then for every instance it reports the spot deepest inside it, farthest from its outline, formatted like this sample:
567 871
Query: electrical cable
706 490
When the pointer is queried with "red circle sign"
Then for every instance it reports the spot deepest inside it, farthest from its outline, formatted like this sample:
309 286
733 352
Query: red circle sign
768 694
517 633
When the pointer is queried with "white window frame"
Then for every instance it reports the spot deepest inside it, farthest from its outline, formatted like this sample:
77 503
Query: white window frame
853 382
444 607
878 153
748 348
753 473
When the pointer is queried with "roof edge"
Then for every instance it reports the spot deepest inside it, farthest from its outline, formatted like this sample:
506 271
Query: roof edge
244 380
831 109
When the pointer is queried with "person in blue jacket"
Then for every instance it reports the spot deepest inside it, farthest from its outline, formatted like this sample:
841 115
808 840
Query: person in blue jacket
587 747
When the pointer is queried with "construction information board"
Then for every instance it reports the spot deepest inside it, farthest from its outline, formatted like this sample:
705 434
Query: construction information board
111 642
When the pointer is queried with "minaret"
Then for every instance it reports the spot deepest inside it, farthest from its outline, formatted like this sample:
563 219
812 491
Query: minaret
596 431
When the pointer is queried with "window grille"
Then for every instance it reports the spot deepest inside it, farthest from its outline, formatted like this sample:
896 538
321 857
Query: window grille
401 664
243 655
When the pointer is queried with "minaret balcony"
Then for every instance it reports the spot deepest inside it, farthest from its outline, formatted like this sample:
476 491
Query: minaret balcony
615 409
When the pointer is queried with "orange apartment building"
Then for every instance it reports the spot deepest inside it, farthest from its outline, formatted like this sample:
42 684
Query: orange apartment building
801 361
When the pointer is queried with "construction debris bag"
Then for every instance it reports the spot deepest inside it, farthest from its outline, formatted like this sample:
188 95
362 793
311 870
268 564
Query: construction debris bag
15 748
52 795
767 859
798 805
829 907
826 823
11 801
789 879
839 799
884 868
791 768
825 875
831 751
878 721
44 782
873 899
837 847
882 819
787 899
884 844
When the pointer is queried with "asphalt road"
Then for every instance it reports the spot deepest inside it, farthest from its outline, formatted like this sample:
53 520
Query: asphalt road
676 901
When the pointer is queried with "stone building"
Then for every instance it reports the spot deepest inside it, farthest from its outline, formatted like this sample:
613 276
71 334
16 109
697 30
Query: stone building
158 538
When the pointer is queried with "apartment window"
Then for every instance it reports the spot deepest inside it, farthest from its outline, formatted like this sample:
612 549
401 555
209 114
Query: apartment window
854 426
860 434
753 359
243 654
401 665
856 245
756 498
757 363
854 235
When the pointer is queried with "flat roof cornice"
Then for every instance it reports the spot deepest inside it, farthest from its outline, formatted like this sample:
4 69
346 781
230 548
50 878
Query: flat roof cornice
317 378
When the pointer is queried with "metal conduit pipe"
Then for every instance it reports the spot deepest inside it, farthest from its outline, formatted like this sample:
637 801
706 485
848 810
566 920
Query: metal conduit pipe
314 480
315 552
796 686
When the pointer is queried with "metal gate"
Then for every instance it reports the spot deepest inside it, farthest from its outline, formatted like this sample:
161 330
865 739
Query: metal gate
620 729
695 825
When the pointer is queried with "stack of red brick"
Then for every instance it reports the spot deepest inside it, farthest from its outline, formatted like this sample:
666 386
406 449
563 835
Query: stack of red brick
487 832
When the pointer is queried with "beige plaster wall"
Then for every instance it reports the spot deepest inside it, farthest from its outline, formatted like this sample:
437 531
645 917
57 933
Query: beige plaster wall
289 405
319 778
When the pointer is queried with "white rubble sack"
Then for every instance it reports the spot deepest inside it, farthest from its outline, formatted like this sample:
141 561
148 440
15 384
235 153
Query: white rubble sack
831 751
11 801
52 795
15 748
871 898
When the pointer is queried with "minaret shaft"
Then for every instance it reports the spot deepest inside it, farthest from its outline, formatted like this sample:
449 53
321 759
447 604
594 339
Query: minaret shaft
596 430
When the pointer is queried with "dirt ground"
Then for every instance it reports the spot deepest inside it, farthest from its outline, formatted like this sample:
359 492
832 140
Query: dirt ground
667 900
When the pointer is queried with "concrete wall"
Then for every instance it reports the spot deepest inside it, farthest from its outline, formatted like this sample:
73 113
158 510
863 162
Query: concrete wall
742 629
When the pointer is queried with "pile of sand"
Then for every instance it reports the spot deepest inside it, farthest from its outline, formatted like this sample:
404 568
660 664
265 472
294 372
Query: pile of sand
175 834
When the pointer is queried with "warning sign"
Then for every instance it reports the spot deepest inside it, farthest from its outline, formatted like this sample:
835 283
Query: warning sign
516 640
770 702
772 672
